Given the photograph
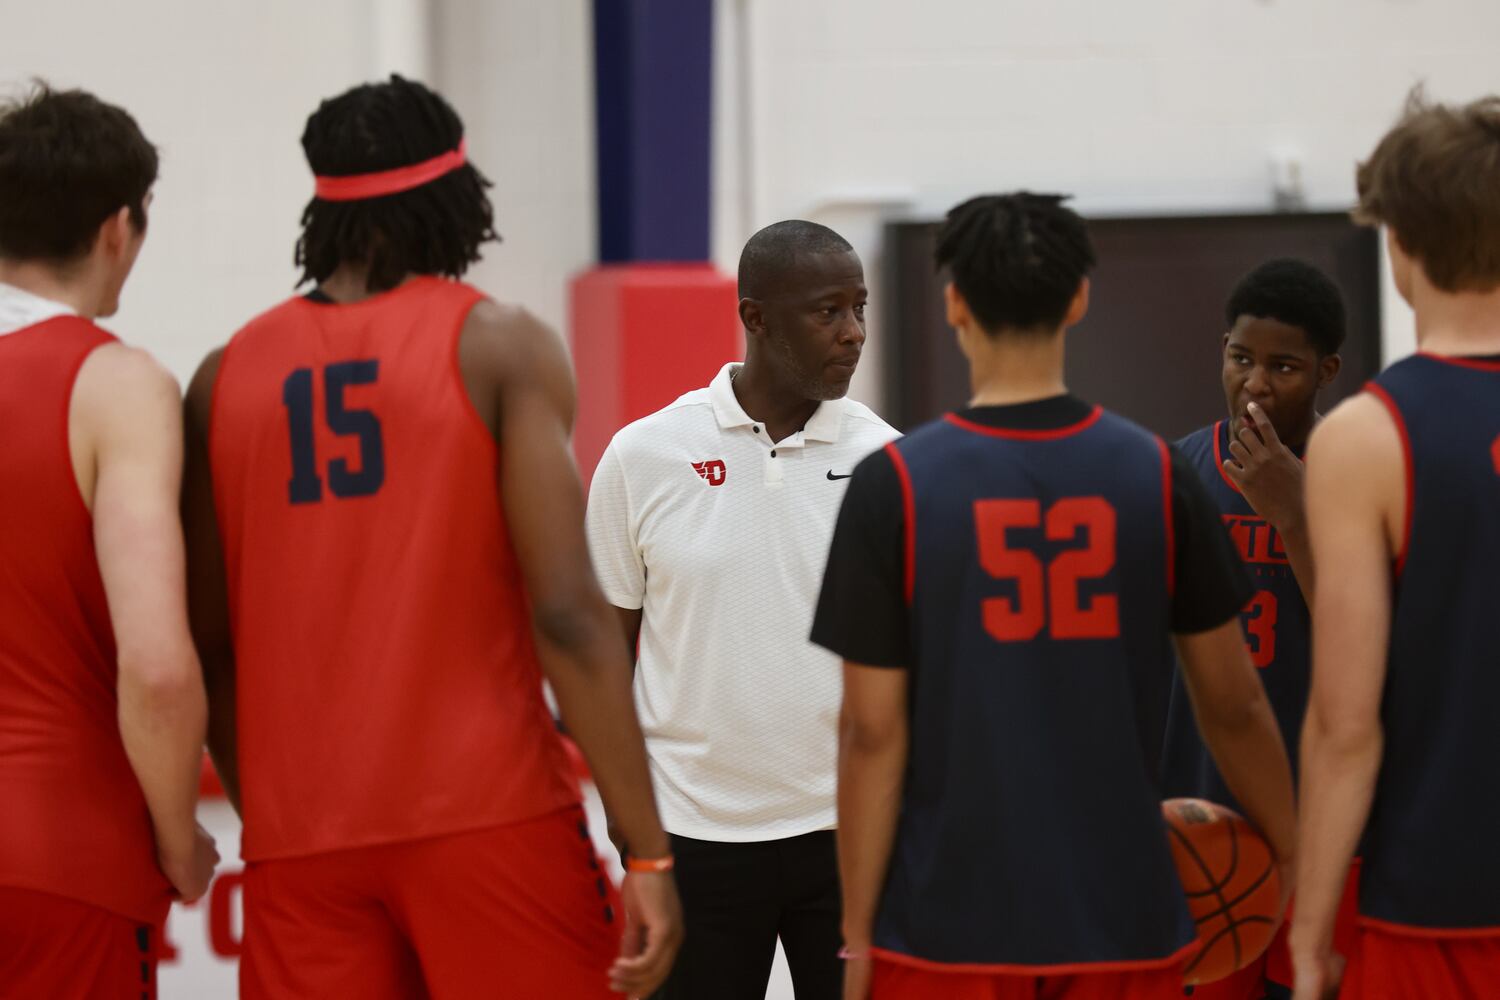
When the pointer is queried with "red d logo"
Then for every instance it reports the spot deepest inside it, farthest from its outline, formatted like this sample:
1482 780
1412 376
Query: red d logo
713 472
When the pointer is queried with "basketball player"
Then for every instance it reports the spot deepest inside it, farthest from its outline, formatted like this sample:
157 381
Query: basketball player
1403 493
709 522
101 701
402 557
1286 325
1005 586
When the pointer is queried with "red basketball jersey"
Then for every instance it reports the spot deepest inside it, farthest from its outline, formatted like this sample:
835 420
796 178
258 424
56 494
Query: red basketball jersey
73 821
388 684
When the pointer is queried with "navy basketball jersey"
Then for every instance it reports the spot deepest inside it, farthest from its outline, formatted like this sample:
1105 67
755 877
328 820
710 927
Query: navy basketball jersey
1038 579
1431 858
1278 631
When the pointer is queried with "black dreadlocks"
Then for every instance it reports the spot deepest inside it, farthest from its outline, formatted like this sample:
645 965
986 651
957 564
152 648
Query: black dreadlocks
437 228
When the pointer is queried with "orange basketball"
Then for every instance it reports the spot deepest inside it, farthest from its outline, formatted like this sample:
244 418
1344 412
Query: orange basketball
1232 884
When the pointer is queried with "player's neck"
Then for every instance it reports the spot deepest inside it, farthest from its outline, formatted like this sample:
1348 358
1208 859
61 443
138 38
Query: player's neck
1466 323
782 408
1007 370
350 283
75 287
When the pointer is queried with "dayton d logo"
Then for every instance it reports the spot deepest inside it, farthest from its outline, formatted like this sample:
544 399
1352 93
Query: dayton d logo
713 472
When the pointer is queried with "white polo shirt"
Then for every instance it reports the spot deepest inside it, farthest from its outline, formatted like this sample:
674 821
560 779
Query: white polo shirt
20 309
721 537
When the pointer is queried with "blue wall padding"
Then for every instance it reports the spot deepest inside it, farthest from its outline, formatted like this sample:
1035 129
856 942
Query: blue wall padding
653 74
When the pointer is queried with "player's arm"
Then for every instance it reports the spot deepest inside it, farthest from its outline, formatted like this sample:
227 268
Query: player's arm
1230 704
1298 546
873 735
208 600
630 624
1240 730
611 530
617 565
518 374
1356 496
1272 479
128 408
862 616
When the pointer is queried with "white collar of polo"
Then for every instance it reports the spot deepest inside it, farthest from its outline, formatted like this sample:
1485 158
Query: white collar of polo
20 309
825 425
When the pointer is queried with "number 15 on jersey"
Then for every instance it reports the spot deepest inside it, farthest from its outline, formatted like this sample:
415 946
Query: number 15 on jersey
306 486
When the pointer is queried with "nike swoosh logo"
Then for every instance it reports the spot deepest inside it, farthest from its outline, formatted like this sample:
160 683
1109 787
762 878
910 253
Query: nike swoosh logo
832 478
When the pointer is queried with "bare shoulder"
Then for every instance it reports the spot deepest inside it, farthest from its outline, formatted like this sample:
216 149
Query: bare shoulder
1356 475
1359 433
124 382
125 405
507 356
503 338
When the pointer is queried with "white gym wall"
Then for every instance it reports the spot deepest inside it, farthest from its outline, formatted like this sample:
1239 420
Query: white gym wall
849 112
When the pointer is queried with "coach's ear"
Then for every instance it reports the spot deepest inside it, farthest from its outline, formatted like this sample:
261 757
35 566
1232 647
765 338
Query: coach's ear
753 317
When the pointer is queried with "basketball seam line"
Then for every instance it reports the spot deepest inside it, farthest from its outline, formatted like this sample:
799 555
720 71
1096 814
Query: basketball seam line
1240 898
1217 889
1228 929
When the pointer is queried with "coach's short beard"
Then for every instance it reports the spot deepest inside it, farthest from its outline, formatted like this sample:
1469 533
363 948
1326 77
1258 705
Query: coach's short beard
809 386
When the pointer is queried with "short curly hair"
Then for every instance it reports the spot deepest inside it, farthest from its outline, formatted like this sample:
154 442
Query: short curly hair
1295 293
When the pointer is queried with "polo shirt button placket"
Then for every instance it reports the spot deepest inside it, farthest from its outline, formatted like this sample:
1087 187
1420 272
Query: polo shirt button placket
773 469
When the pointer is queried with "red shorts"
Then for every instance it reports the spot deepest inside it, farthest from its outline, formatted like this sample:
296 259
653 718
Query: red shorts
1393 966
898 981
1251 982
518 910
52 948
1275 966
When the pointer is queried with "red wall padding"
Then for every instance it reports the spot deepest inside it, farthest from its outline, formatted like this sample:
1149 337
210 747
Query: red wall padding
643 334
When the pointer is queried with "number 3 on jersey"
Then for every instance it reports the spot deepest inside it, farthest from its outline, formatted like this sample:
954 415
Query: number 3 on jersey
1259 619
306 486
1053 586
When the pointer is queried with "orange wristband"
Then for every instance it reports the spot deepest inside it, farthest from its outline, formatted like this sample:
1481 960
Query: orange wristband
642 866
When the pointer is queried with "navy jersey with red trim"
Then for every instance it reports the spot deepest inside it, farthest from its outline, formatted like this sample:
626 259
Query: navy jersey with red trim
1038 572
1277 624
1431 858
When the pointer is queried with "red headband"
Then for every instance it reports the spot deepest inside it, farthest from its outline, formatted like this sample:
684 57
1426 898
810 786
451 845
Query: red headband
357 187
